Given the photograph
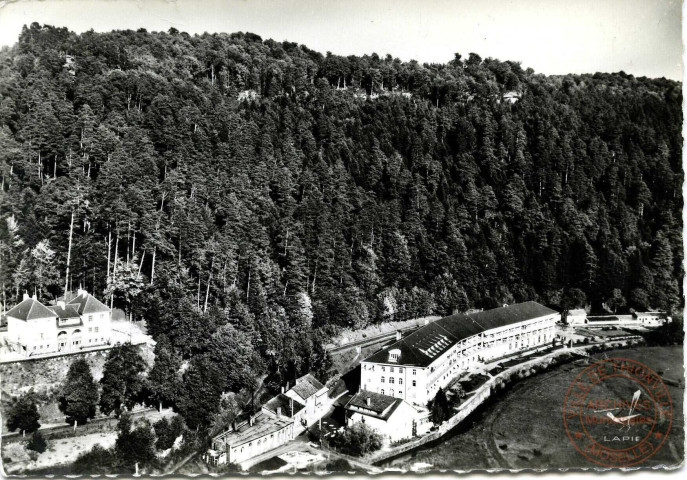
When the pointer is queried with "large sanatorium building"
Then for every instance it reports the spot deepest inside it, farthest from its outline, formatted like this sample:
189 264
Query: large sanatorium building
415 367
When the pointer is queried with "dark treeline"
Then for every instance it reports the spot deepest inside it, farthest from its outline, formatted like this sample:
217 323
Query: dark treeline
231 190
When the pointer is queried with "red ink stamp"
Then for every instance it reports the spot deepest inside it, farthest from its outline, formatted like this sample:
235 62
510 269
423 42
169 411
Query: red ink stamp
617 412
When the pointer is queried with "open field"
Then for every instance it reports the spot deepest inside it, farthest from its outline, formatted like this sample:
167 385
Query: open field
523 428
62 451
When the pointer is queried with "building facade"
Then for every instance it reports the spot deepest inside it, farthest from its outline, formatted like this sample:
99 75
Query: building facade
415 367
260 434
308 391
577 316
80 323
394 418
650 319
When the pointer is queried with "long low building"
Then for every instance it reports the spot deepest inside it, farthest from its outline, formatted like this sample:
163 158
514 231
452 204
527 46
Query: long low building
248 439
415 367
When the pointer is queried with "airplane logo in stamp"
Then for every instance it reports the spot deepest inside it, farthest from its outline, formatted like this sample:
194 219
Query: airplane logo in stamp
617 412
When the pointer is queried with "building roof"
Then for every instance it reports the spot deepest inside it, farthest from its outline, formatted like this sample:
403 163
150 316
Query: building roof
285 404
263 425
577 311
30 309
519 312
380 406
66 311
307 386
429 342
603 318
87 303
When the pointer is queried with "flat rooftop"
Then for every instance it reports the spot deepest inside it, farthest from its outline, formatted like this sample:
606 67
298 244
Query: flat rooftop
262 425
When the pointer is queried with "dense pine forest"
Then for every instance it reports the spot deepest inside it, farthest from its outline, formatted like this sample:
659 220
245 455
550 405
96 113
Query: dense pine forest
248 198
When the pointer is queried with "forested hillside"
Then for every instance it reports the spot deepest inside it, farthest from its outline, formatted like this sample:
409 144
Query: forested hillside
248 197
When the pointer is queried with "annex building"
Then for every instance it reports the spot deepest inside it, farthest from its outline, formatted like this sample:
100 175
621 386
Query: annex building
36 329
415 367
259 434
393 417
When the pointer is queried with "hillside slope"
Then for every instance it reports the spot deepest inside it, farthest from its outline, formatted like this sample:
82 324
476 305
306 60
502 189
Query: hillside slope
288 193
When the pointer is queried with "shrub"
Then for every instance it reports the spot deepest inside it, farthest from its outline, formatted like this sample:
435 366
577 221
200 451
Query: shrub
98 460
23 415
37 443
357 440
167 432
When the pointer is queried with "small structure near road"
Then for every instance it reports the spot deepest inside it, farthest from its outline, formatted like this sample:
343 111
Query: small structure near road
248 439
651 319
393 417
308 391
576 316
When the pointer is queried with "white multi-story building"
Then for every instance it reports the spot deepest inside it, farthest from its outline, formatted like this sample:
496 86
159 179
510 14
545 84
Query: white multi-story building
415 367
36 329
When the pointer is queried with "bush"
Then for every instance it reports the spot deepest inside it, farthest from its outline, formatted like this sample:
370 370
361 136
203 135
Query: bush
98 461
440 409
167 432
135 445
23 414
37 443
357 440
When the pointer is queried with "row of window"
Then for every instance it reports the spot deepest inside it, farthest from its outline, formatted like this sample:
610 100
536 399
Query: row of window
391 369
259 442
400 381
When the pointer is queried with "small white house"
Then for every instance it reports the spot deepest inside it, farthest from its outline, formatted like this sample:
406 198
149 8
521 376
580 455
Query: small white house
577 316
393 417
650 319
310 392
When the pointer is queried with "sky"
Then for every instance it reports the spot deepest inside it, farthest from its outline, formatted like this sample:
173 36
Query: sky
641 37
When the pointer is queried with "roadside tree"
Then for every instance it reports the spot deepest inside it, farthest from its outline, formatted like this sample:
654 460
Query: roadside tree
23 415
79 395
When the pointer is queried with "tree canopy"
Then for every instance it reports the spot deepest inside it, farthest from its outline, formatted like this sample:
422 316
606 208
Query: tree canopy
78 397
247 198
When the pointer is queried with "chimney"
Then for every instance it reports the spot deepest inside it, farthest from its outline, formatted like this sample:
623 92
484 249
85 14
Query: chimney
233 425
26 296
398 335
81 292
279 411
34 297
368 401
60 303
426 321
282 389
251 419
